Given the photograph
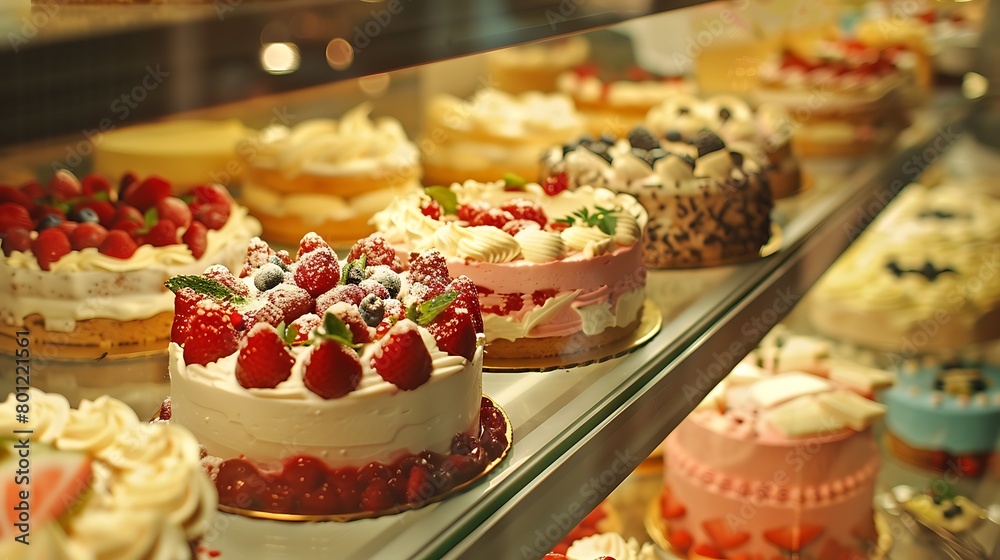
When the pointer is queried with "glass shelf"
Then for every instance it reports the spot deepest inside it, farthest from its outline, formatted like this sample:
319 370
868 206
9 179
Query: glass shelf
579 433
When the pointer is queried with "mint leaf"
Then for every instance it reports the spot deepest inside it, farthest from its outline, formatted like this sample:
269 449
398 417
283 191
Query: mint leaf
287 334
515 181
205 286
445 197
425 313
602 218
358 263
151 216
102 195
337 331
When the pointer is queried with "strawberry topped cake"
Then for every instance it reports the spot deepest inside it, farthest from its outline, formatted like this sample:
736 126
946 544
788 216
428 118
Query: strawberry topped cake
101 484
558 272
84 261
325 387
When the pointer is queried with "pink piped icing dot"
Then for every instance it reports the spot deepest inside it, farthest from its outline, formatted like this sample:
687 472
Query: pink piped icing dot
838 487
707 477
824 492
809 494
743 487
850 482
725 484
795 495
783 495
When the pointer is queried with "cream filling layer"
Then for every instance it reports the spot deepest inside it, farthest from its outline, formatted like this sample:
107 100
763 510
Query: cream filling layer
89 285
376 422
317 208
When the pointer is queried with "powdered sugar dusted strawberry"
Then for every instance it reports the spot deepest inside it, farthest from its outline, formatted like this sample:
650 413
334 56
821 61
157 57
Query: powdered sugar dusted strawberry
303 326
377 251
332 370
351 316
401 357
468 298
292 300
350 293
210 332
258 254
222 275
263 360
184 305
430 268
317 271
311 242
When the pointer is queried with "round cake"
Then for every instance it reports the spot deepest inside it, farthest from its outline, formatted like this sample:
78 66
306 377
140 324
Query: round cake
768 127
327 176
708 202
557 272
100 484
536 66
84 262
325 387
921 278
492 134
844 96
613 103
945 414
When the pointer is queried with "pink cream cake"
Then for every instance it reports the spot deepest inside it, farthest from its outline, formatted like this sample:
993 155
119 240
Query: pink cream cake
557 272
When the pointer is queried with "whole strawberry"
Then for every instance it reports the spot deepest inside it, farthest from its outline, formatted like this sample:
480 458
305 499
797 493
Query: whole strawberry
210 333
317 271
264 360
332 370
401 358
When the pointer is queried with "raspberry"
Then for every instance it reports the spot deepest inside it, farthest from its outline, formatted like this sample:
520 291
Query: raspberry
493 217
184 304
378 250
221 274
50 246
432 210
162 234
144 195
419 485
13 216
310 242
515 227
87 235
468 212
331 370
214 216
555 184
196 238
349 293
263 361
352 317
258 254
105 211
377 496
64 185
93 184
292 300
401 358
175 210
118 244
317 271
371 287
211 334
16 239
524 209
429 267
305 325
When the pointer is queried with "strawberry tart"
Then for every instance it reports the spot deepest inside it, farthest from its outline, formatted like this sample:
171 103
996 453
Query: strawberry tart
768 126
845 97
100 483
615 102
558 272
326 175
84 262
492 134
777 461
709 202
322 387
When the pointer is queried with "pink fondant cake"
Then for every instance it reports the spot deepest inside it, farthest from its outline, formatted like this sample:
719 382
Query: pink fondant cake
777 463
557 271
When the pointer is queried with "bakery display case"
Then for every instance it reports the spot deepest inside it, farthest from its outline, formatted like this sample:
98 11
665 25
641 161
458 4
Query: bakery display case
287 104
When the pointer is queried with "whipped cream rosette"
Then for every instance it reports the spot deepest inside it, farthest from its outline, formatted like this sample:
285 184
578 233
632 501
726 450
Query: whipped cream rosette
493 133
103 484
327 175
555 273
708 201
84 264
927 260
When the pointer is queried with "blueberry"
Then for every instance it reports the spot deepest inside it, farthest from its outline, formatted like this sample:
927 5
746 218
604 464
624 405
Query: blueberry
737 159
49 221
640 137
268 276
707 142
385 276
276 260
372 310
84 215
673 135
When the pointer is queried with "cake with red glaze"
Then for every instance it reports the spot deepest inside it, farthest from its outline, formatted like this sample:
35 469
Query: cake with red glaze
325 387
777 461
558 272
84 261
